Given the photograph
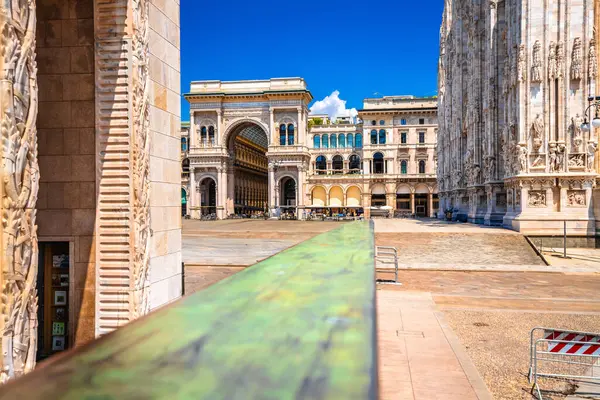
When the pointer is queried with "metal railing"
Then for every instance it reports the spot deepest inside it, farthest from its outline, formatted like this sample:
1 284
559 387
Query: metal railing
284 328
562 354
387 255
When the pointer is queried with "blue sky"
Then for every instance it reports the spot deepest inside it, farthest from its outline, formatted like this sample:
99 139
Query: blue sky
362 49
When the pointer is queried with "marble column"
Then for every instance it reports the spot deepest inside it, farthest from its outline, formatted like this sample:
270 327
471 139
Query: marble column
412 202
192 198
430 202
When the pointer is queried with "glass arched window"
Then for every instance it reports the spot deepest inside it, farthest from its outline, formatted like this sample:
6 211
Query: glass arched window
211 134
382 136
183 144
290 132
185 165
282 135
373 136
354 164
321 165
378 163
342 141
203 134
337 164
333 141
358 142
382 122
403 167
325 141
373 122
422 166
317 142
349 140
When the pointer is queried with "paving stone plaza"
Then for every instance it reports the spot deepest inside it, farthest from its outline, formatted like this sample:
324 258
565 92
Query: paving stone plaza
458 326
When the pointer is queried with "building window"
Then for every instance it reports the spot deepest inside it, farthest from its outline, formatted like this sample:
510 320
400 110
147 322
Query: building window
282 130
333 141
382 136
290 132
358 142
349 140
321 165
354 164
403 167
185 165
421 137
317 142
342 141
378 163
203 135
382 122
325 141
211 135
373 122
337 164
183 144
403 137
422 166
402 121
373 136
421 121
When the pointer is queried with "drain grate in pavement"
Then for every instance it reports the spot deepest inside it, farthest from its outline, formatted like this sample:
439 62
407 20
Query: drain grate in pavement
410 333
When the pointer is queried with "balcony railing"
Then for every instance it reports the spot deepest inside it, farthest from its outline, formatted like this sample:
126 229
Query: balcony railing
300 324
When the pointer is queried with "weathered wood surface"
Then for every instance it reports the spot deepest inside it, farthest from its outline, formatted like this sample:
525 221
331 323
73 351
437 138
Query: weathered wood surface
299 325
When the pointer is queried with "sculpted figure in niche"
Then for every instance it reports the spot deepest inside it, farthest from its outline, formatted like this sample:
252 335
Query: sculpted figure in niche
560 59
560 157
552 61
536 68
592 60
522 62
552 157
591 155
576 60
577 133
522 157
537 131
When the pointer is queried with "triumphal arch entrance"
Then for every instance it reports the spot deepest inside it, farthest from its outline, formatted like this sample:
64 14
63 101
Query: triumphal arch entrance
249 139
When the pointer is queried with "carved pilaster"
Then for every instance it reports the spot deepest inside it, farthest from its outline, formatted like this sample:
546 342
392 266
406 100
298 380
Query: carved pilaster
19 188
122 122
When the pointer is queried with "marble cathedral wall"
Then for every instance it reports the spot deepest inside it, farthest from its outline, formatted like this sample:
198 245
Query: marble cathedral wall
514 79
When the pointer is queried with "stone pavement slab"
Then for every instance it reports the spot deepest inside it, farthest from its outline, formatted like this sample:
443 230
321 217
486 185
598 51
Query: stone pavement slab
419 357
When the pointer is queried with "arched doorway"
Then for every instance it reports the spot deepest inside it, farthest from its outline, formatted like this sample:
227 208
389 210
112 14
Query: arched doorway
422 205
378 163
208 197
249 191
183 202
287 196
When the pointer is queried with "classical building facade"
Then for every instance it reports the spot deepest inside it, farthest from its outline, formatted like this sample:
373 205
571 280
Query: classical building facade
514 81
254 150
91 235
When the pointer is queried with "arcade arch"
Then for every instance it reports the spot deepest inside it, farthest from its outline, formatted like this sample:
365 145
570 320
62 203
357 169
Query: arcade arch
208 196
319 196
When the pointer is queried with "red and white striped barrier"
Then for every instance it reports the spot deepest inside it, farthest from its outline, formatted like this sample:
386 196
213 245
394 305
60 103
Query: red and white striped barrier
573 343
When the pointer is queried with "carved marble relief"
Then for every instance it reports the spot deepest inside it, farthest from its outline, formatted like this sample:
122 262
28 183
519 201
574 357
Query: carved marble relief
591 154
576 60
576 134
552 71
537 133
522 60
20 184
560 60
141 156
576 198
537 198
536 67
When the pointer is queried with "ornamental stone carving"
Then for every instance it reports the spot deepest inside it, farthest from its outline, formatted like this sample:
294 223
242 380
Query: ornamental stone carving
576 161
537 198
577 134
576 60
592 60
591 154
560 60
576 198
536 67
537 133
552 61
20 184
522 64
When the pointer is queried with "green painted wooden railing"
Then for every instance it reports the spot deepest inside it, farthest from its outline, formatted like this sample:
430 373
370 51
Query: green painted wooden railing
299 325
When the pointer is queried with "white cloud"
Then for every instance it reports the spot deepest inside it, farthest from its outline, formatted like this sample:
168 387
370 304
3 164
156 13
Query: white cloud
333 106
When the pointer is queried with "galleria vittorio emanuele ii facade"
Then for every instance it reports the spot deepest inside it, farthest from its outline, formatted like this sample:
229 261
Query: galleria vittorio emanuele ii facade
515 79
252 149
